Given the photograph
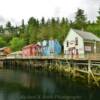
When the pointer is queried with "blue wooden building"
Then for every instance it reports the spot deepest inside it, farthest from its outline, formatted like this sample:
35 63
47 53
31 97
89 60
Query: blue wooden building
50 47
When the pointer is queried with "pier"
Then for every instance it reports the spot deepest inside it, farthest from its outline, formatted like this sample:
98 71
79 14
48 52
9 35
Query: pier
87 69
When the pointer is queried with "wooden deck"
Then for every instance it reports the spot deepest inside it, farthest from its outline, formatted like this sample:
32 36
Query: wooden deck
80 57
89 65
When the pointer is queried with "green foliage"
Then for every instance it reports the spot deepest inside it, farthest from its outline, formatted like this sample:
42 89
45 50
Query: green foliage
36 30
8 25
22 28
2 42
98 17
80 19
1 29
32 29
17 43
94 28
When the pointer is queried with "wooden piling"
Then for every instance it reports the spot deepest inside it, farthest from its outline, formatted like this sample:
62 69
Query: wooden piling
56 65
90 74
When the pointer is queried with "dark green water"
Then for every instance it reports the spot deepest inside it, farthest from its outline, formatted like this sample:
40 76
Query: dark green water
39 85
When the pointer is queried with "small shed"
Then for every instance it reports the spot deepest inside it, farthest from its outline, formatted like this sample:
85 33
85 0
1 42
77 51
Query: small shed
27 50
31 50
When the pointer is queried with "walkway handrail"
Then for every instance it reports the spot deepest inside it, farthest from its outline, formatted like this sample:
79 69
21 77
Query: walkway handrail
76 57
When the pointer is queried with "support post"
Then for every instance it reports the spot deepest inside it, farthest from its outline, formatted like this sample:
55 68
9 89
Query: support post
95 47
90 73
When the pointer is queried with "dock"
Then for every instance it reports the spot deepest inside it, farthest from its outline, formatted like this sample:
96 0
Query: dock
87 68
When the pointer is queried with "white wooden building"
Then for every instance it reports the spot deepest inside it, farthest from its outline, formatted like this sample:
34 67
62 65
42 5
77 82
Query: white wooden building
80 43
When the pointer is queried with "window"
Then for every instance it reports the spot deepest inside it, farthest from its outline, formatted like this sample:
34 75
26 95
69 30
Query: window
77 52
76 41
67 43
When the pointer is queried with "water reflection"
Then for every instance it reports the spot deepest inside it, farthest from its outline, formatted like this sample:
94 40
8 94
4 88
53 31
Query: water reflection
39 85
48 86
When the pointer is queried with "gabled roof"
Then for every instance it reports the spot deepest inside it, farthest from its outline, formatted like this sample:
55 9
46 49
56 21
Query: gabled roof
30 46
87 35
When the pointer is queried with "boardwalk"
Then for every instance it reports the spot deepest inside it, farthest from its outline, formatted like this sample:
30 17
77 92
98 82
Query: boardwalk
88 66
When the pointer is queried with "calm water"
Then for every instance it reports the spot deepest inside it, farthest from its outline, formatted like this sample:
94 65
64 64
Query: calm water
39 85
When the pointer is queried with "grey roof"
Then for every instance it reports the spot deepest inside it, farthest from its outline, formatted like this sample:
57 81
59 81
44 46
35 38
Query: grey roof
87 35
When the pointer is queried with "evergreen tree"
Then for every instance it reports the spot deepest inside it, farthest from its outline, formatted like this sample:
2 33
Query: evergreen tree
23 27
1 29
8 24
80 19
21 31
42 21
98 17
32 29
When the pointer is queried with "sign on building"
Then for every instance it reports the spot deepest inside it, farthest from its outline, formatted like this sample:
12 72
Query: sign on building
88 48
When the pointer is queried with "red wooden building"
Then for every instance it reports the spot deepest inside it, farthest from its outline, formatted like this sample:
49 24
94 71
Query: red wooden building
31 50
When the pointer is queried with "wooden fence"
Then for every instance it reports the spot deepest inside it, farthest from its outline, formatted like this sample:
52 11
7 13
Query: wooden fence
75 57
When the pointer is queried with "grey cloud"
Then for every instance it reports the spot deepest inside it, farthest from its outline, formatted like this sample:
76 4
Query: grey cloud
57 11
2 19
91 1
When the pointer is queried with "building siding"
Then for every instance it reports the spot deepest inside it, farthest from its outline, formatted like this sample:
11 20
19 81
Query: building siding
76 46
72 44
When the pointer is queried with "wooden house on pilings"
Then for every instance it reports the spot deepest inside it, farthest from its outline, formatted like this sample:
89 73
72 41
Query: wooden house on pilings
79 44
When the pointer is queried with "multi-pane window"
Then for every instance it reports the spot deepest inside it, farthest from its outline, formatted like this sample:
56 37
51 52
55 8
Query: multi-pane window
77 52
76 41
67 43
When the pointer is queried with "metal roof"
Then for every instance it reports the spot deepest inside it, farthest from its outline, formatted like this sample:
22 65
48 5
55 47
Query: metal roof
87 35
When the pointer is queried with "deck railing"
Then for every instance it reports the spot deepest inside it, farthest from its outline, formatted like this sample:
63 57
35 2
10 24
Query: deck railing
77 57
84 56
93 56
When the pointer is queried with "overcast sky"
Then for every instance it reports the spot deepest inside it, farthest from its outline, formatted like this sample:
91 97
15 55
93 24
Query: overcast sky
16 10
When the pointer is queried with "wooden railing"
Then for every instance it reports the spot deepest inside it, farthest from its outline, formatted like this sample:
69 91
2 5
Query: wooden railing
93 56
77 57
86 56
